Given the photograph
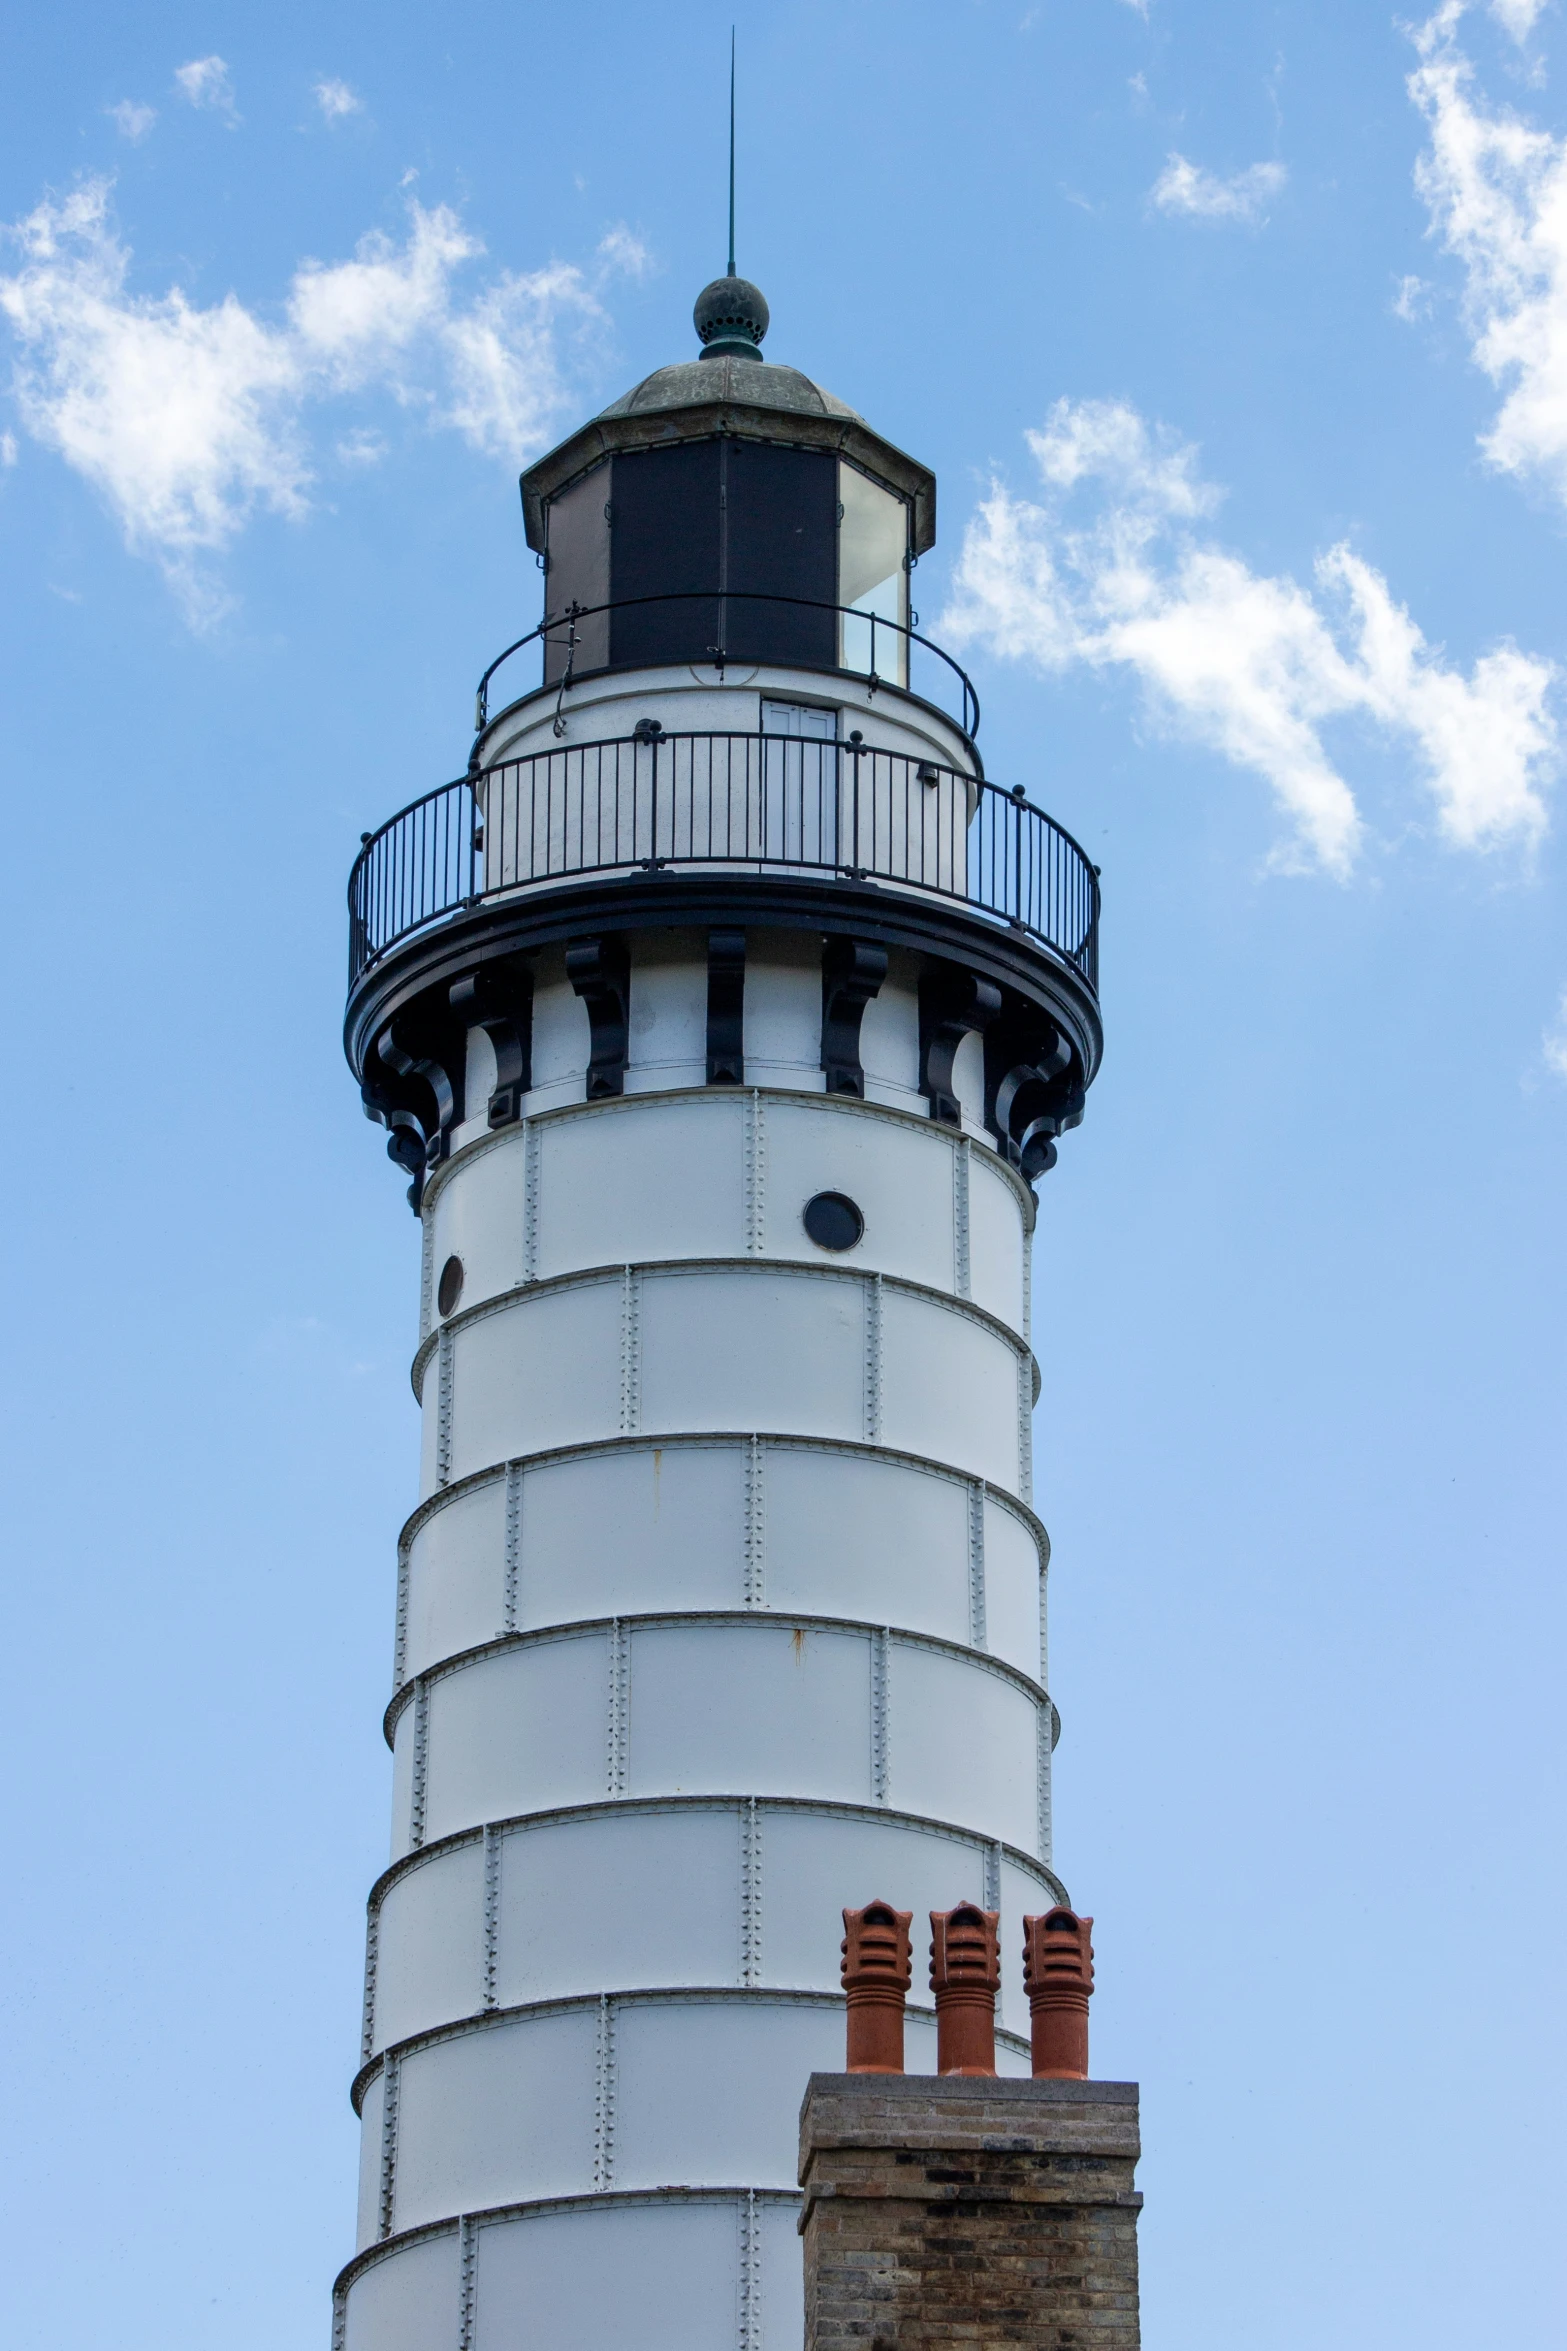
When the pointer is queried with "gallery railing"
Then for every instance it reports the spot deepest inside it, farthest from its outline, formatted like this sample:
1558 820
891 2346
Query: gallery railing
576 643
770 804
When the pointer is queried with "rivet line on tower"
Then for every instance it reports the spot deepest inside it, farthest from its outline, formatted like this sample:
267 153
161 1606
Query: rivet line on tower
513 1545
976 1564
755 1524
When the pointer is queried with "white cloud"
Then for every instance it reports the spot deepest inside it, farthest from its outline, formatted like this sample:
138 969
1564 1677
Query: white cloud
1412 301
8 449
205 82
1496 190
1517 17
188 420
336 99
131 120
621 250
1184 187
1554 1041
1254 667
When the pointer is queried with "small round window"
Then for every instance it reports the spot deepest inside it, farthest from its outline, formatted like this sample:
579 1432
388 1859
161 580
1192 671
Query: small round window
833 1221
449 1289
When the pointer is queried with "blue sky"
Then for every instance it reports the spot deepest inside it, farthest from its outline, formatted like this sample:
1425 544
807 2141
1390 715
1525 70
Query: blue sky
1237 334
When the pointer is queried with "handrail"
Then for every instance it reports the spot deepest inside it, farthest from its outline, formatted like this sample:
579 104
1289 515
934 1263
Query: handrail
772 804
575 613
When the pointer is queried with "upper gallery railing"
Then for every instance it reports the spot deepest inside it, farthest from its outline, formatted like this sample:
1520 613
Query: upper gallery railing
885 652
768 803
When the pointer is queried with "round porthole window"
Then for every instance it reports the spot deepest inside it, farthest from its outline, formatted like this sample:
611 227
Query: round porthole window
833 1221
449 1288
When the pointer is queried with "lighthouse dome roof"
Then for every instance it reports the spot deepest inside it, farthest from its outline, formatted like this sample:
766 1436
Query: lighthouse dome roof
736 381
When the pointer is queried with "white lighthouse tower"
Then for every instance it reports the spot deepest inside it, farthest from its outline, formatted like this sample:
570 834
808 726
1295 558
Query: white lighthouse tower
724 1014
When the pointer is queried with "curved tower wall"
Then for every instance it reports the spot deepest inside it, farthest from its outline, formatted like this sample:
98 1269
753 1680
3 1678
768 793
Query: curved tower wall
722 1605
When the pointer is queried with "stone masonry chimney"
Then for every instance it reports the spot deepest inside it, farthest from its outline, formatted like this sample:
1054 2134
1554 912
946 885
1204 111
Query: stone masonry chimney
963 2208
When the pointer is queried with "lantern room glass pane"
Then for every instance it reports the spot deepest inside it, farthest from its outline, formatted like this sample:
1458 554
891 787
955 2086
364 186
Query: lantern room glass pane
578 573
873 542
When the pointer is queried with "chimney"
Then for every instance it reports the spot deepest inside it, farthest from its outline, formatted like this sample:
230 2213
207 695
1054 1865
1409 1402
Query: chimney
965 1973
1058 1970
877 1969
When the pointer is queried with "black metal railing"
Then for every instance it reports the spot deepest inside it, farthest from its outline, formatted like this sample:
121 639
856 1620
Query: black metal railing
567 635
768 803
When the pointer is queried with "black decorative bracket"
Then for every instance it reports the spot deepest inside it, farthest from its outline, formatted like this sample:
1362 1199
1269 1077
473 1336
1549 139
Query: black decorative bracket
953 1005
1034 1091
498 998
600 971
852 973
415 1084
726 1008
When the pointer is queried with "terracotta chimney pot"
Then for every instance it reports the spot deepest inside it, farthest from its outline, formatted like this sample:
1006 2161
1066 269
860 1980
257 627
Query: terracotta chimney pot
965 1973
1058 1970
877 1969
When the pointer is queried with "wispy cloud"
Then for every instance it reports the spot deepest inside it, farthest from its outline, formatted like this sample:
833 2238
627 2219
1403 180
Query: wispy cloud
1496 190
1518 17
623 251
132 120
205 83
336 100
189 419
1112 567
1554 1042
1184 188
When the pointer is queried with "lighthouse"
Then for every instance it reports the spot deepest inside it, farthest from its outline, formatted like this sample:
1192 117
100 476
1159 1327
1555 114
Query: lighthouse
724 1016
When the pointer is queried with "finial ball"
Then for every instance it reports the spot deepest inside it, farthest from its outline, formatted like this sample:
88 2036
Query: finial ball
731 316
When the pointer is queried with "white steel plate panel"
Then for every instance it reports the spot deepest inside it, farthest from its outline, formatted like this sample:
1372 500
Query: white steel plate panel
561 1037
783 1010
963 1745
370 2124
456 1577
763 1709
783 2277
851 1536
518 1732
1021 1895
948 1388
890 1031
900 1177
494 2116
919 2032
753 1351
708 2093
1012 1590
430 1423
968 1083
478 1216
619 1903
408 2302
661 1180
624 2278
996 1240
543 1372
403 1781
668 1007
816 1868
430 1946
623 1534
